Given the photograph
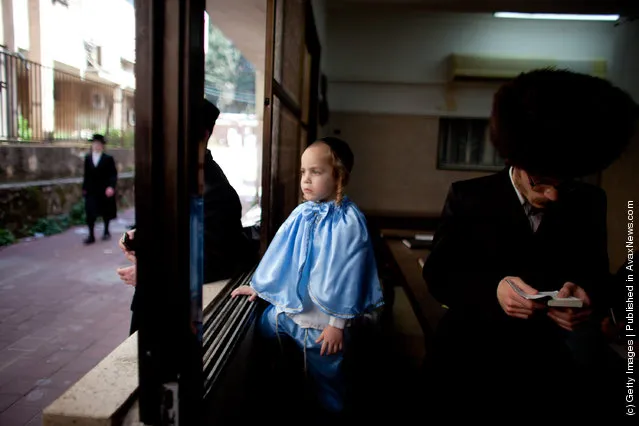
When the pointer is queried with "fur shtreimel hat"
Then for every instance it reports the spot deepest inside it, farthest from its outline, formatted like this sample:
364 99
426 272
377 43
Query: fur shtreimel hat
558 123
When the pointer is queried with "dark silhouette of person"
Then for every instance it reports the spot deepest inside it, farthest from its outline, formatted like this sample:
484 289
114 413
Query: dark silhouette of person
98 187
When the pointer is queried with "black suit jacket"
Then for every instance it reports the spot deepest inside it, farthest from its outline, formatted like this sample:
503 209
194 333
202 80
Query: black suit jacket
226 247
96 180
485 235
496 360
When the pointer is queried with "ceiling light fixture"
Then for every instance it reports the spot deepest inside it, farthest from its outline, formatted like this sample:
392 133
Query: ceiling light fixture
556 16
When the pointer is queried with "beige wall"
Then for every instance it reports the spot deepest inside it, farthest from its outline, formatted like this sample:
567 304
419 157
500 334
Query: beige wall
396 162
396 170
621 179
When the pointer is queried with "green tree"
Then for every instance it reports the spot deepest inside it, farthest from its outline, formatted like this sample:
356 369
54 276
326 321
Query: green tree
229 76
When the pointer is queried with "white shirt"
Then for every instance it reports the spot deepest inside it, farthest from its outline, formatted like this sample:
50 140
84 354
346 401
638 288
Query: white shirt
96 157
313 317
534 219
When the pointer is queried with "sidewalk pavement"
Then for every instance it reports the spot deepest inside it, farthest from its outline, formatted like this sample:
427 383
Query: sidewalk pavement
63 308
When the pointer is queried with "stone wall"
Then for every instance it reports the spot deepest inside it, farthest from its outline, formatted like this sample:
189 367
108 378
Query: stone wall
23 204
23 163
39 181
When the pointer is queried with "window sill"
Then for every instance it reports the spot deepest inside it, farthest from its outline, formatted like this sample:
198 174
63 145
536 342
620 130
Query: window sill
109 389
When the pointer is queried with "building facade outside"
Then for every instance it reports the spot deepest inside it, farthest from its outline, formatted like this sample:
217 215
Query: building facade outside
67 70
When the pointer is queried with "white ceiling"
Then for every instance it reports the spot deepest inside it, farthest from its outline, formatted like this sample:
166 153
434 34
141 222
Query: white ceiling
244 21
556 6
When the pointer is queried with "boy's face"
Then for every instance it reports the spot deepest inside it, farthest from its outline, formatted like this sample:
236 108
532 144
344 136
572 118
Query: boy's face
97 146
317 181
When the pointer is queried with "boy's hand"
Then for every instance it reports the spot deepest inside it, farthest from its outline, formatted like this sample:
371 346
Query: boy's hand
128 274
244 290
333 339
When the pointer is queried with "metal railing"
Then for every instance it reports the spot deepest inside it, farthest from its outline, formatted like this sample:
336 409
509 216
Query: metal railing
43 104
226 321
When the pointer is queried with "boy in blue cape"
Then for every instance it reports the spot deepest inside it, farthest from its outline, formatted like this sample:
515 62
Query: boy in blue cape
319 272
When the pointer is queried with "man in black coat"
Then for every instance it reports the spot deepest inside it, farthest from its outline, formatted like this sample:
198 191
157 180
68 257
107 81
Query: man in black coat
535 227
227 249
98 187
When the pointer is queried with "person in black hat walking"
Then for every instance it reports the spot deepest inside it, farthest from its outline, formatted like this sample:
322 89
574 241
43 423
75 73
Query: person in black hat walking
98 187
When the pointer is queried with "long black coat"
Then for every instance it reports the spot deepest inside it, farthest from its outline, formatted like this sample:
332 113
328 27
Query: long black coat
96 181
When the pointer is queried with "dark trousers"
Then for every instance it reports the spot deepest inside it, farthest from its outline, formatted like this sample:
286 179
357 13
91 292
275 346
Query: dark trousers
533 369
91 225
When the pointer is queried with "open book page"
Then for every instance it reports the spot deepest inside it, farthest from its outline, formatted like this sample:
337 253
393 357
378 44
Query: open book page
550 296
540 295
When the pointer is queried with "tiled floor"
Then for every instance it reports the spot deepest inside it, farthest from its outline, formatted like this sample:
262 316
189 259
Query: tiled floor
62 309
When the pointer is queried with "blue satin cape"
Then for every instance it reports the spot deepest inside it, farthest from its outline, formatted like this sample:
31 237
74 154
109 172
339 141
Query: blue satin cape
332 240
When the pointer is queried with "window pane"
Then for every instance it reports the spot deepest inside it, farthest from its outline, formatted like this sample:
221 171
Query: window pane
465 144
230 83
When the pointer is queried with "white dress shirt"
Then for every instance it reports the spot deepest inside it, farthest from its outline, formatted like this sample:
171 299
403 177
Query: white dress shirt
533 217
96 158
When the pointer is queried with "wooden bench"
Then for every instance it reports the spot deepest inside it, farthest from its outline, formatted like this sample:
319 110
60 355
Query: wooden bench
409 269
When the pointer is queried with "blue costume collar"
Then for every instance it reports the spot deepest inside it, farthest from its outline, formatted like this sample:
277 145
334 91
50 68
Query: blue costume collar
326 247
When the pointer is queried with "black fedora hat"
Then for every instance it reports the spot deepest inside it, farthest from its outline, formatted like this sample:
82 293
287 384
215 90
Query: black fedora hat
98 138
